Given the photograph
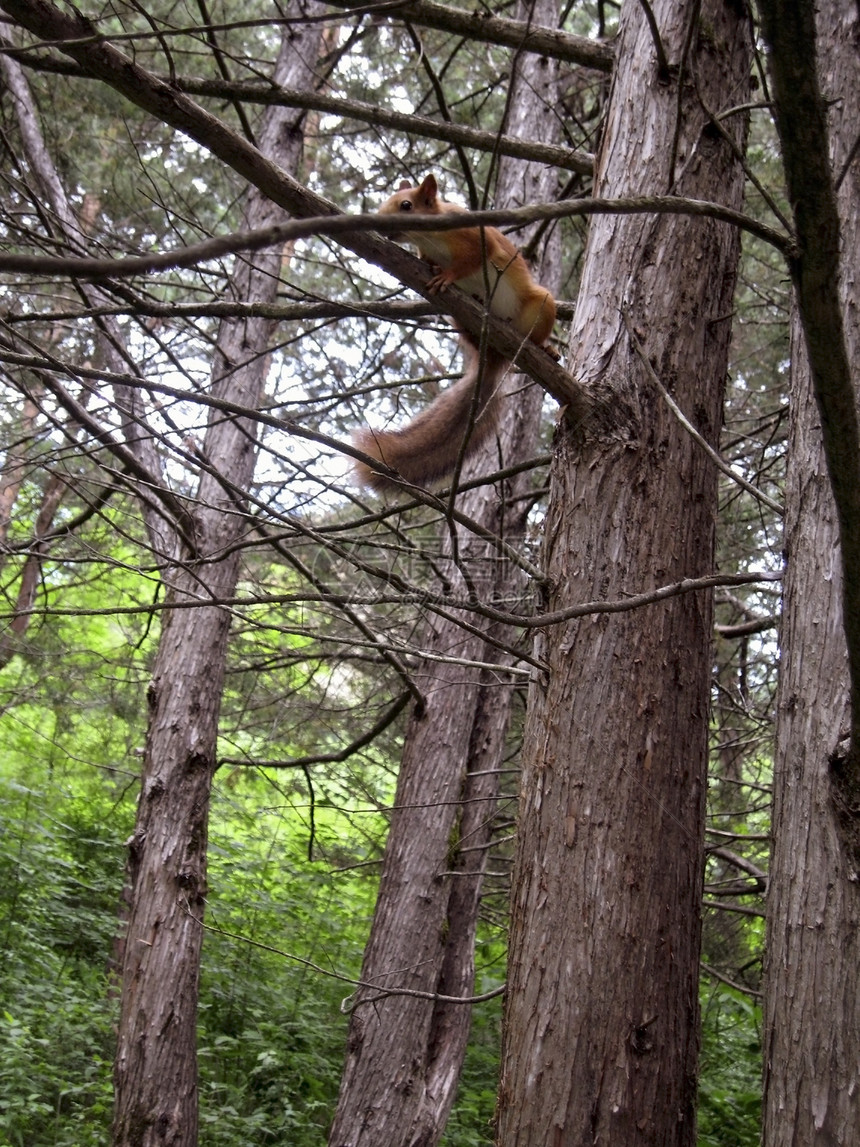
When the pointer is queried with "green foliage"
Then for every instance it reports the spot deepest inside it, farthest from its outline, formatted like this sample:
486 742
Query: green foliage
730 1072
60 882
271 1030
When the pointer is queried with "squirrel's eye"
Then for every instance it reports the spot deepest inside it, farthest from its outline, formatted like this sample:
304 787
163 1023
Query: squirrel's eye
406 205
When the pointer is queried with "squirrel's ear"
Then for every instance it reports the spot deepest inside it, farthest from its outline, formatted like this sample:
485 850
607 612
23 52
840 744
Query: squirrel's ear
429 190
405 185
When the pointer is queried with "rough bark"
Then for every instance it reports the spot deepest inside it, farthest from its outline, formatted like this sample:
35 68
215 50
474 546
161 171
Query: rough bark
601 1036
404 1055
812 1007
156 1064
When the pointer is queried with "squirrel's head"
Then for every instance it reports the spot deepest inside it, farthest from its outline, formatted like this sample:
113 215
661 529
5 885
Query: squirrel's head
423 199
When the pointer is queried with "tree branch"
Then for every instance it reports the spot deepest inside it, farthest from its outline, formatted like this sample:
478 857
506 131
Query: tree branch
350 228
241 92
801 116
494 30
388 718
79 38
715 457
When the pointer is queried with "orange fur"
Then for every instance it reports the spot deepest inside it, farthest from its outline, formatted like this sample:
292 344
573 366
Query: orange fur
427 449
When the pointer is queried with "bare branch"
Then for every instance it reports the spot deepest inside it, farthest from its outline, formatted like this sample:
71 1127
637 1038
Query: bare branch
348 226
493 29
721 465
388 718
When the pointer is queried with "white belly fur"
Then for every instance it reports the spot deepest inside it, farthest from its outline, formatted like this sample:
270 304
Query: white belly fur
504 302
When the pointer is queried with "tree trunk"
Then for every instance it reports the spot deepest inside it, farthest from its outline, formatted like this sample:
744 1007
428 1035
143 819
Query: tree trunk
601 1037
15 463
404 1054
812 1006
31 570
156 1063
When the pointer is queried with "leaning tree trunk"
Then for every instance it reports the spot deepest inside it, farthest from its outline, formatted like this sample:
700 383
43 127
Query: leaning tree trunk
404 1054
156 1064
601 1035
812 1005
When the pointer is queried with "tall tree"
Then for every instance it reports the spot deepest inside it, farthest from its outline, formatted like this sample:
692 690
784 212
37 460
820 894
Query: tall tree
405 1052
601 1031
812 1011
156 1064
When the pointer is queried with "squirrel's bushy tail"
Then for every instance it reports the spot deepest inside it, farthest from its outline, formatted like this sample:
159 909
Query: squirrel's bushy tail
427 449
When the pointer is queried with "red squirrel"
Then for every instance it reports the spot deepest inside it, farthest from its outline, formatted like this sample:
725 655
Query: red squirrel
427 449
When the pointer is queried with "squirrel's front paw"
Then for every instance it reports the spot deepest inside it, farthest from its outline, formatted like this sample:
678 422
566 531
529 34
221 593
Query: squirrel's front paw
439 281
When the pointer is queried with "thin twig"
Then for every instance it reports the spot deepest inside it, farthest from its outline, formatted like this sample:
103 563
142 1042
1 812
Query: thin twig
723 466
